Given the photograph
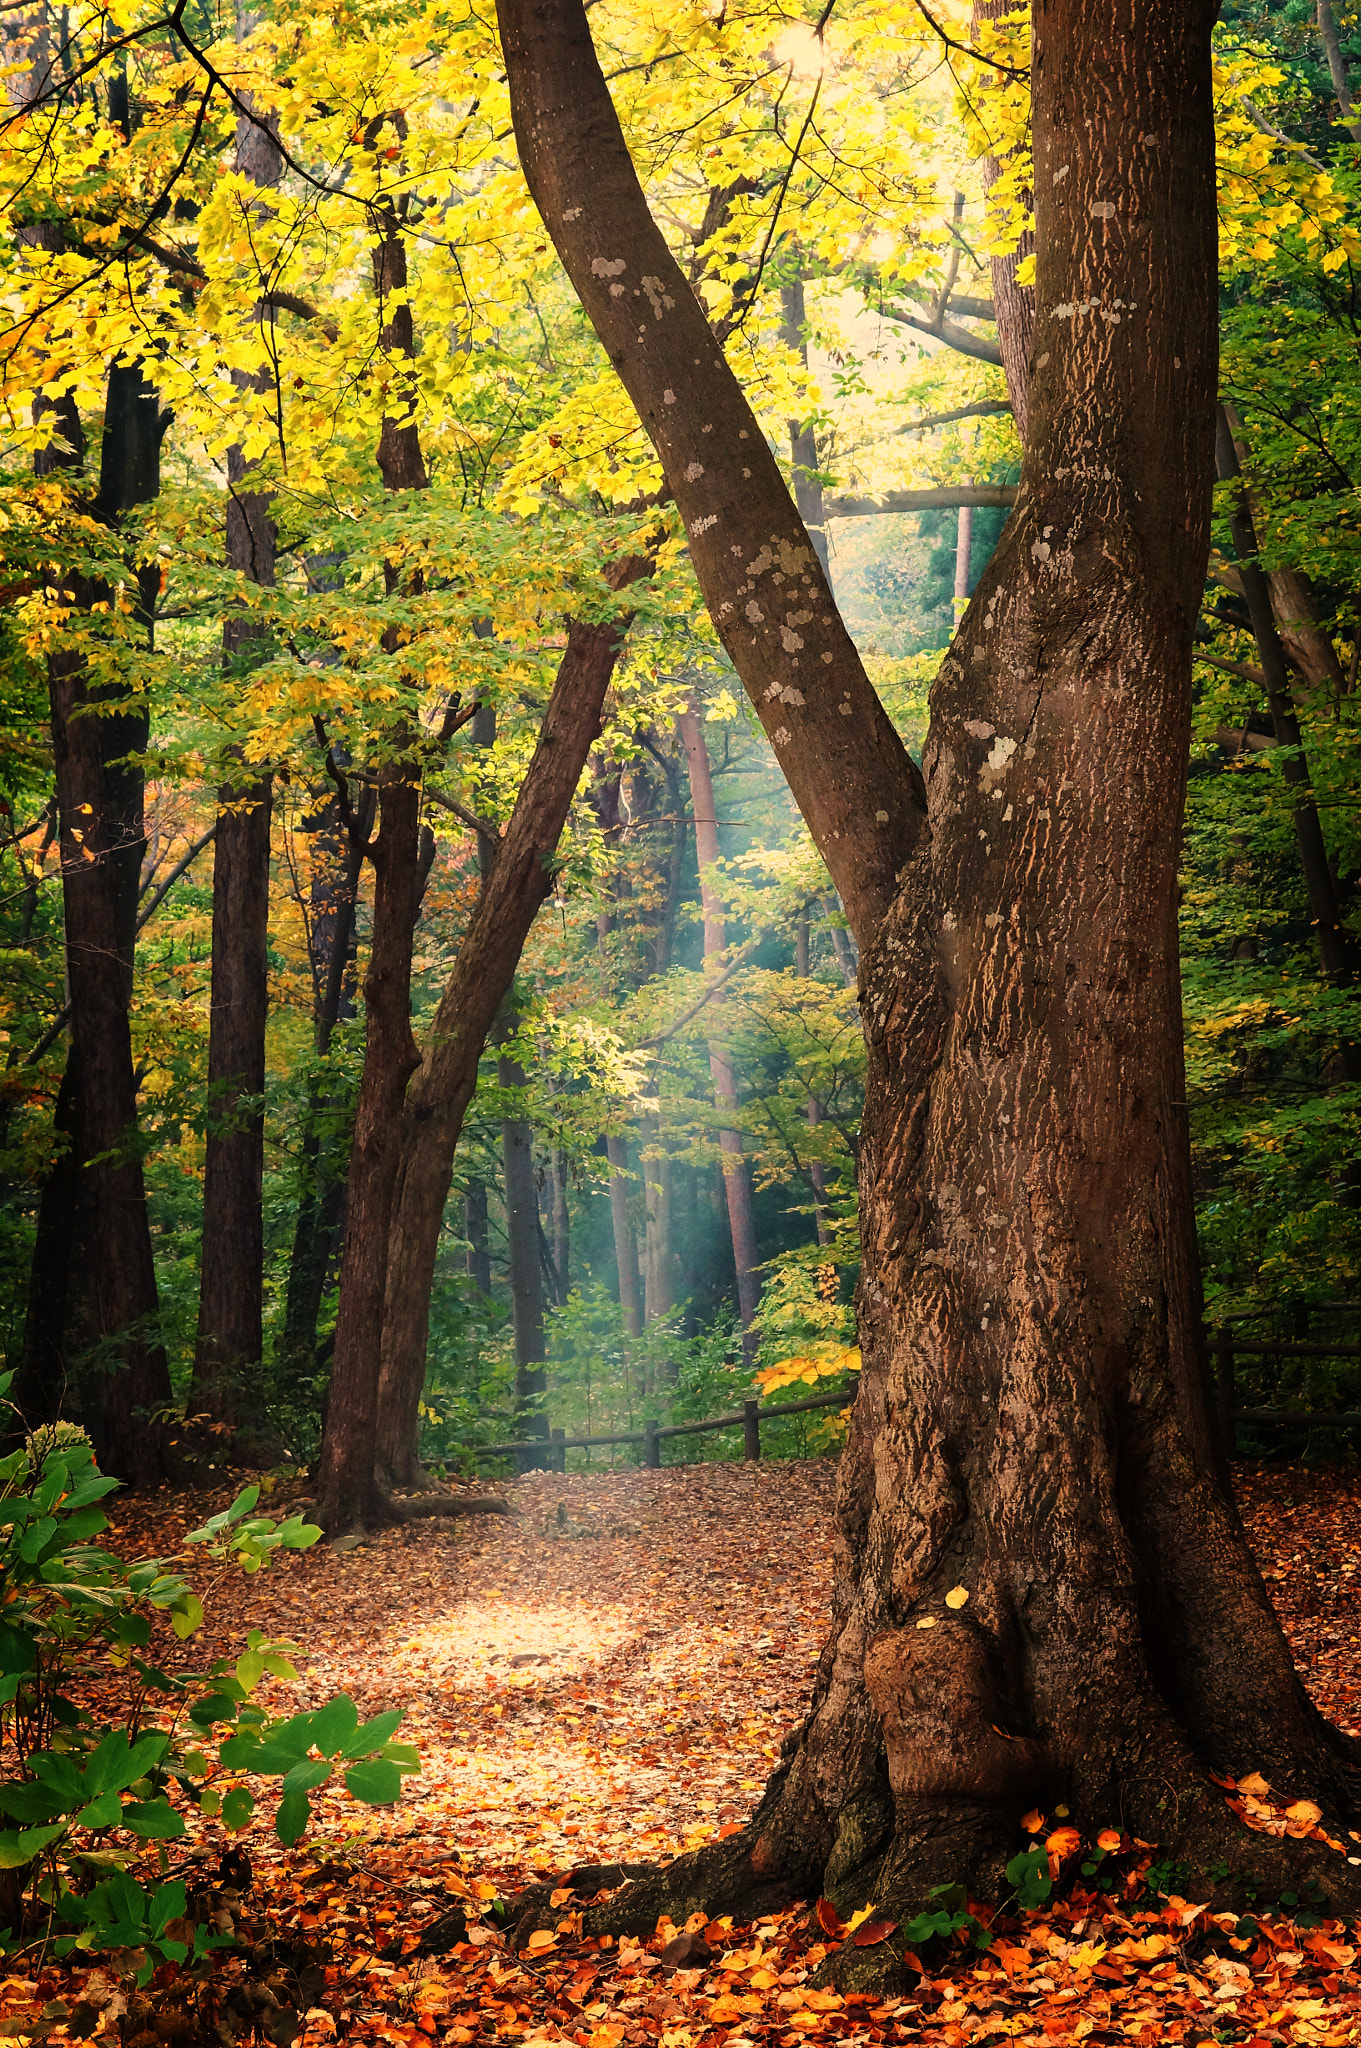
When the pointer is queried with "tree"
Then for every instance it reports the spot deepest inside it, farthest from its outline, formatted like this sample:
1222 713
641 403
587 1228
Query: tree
1042 1588
230 1342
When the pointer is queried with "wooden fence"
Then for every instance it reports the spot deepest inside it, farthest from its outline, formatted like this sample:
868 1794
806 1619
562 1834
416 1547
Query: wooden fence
1225 1348
555 1443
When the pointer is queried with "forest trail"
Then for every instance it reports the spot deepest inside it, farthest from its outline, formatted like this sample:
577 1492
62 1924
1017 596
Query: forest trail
606 1675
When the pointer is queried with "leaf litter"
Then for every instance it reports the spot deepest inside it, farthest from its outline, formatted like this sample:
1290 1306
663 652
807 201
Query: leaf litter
605 1677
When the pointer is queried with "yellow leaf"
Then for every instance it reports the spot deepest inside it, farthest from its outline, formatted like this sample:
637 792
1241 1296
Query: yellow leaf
542 1940
859 1919
957 1596
1254 1783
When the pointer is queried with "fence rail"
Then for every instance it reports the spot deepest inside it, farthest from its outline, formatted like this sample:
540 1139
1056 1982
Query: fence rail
1224 1346
1226 1349
748 1418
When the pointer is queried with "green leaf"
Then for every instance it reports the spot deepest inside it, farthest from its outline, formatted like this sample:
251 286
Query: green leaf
377 1783
155 1820
371 1735
278 1665
250 1669
237 1808
334 1726
290 1822
60 1777
214 1706
115 1764
17 1650
16 1850
404 1754
166 1903
306 1776
104 1812
30 1803
186 1615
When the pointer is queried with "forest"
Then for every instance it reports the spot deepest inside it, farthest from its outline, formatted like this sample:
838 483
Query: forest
681 725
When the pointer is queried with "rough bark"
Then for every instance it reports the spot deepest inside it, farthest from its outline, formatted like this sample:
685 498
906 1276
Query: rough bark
230 1342
736 1172
1032 1429
438 1098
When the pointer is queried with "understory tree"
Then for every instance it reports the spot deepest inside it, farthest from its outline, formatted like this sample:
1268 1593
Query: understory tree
1043 1592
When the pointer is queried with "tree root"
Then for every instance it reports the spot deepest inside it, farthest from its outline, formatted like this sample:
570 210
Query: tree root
426 1506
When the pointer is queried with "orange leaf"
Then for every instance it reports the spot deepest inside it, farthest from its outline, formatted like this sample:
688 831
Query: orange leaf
873 1931
1033 1821
830 1921
1109 1840
1063 1842
1254 1783
542 1940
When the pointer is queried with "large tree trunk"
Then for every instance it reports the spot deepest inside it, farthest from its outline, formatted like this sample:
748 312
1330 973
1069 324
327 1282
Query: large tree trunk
438 1099
1043 1592
99 799
230 1341
736 1172
659 1286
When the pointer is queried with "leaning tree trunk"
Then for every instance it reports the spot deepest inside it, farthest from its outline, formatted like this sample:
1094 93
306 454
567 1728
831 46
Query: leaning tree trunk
1043 1592
230 1342
520 879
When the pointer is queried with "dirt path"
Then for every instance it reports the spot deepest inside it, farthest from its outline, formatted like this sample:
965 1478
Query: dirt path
607 1675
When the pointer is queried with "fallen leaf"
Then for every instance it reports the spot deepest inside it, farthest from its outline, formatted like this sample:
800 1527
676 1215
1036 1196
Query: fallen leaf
1033 1821
830 1921
872 1932
957 1596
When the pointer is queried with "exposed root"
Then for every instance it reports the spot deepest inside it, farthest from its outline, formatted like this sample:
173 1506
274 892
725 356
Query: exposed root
445 1504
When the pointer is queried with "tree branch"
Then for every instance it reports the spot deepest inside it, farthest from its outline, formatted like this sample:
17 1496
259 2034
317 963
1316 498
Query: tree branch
938 495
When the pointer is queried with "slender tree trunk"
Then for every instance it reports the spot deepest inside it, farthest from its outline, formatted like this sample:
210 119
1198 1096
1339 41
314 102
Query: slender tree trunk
526 1267
1337 951
337 862
963 557
625 1244
817 1172
478 1266
347 1496
1014 303
1337 69
803 446
562 1228
736 1173
1043 1592
437 1102
230 1342
658 1263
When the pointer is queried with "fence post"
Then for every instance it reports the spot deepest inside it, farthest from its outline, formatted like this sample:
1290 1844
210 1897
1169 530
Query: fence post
557 1457
1224 1390
652 1450
751 1429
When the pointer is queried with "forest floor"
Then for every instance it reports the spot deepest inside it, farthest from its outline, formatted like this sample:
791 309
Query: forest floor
607 1675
